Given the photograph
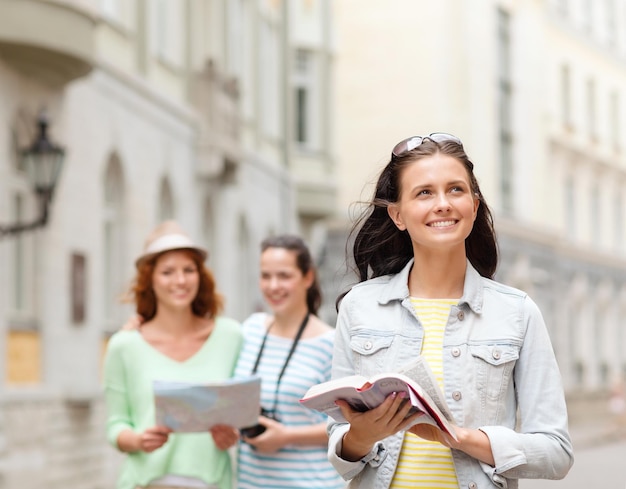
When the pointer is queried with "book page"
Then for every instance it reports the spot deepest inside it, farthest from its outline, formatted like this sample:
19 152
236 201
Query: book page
196 407
419 371
322 397
351 382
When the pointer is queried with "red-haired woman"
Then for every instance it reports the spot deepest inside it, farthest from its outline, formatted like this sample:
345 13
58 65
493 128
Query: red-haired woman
182 338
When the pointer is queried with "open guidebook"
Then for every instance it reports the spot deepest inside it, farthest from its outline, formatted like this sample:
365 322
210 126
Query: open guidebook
415 379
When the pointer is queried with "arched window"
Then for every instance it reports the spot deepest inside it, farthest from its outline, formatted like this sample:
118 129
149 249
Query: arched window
208 229
571 214
115 271
23 342
22 208
22 258
166 201
247 272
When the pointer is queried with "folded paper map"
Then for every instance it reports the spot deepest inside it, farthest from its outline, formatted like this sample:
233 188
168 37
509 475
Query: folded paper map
196 407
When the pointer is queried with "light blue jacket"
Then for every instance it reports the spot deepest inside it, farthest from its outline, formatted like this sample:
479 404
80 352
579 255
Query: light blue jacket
500 376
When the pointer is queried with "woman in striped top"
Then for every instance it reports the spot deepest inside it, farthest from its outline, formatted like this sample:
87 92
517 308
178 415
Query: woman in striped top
425 252
291 350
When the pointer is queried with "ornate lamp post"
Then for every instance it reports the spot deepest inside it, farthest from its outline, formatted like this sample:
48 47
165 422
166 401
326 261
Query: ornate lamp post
42 161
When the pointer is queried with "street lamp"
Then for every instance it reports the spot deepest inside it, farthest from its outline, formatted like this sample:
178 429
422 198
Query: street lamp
42 161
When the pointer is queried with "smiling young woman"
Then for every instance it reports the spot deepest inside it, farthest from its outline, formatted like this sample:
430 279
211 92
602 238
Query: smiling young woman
182 338
290 348
425 253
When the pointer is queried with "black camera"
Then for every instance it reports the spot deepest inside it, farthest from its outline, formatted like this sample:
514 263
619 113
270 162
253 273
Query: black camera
257 429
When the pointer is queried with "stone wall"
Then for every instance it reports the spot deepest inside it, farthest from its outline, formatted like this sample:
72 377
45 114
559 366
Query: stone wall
57 444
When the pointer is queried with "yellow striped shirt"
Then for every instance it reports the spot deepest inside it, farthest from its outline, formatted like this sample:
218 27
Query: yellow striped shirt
423 463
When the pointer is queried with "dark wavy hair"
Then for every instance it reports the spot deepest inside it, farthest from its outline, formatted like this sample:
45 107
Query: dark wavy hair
380 248
208 302
304 262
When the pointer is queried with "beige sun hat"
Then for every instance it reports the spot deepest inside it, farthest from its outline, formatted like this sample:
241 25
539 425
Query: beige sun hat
168 236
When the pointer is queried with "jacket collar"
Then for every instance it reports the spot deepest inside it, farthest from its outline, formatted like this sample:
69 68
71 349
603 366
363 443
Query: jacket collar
398 287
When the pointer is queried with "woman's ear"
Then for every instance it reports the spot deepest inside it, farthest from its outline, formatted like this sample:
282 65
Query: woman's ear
394 213
476 205
309 278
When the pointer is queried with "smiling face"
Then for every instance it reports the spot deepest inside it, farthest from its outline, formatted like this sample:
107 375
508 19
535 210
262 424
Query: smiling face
175 279
437 206
282 282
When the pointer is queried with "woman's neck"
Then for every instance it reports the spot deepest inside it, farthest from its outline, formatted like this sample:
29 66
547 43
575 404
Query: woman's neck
287 324
438 276
176 322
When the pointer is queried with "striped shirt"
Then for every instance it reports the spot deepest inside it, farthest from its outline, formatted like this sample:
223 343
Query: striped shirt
423 463
292 466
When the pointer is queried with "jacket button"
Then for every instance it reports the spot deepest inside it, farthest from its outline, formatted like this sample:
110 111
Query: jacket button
368 345
456 395
461 315
497 354
472 485
456 351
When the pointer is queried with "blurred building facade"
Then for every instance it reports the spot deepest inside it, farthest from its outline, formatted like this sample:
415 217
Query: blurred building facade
536 89
212 112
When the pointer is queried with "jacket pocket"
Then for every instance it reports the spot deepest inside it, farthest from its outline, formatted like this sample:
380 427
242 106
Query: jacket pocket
493 364
370 351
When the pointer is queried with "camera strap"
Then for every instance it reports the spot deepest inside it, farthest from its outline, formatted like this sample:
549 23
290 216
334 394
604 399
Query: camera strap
293 348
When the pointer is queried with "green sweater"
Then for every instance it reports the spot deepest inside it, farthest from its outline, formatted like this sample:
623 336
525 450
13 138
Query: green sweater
131 364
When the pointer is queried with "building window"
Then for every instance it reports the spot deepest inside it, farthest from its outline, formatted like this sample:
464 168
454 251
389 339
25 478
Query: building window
168 33
592 110
235 36
244 68
19 265
570 209
22 341
21 270
114 271
595 214
611 22
505 103
615 122
166 201
160 32
246 269
587 15
208 225
566 97
619 222
270 88
301 115
304 81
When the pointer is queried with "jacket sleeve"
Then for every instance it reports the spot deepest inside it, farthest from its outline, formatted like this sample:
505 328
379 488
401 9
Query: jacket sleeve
541 446
343 366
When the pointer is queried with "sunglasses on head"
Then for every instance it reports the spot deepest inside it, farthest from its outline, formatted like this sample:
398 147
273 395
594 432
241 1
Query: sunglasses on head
414 141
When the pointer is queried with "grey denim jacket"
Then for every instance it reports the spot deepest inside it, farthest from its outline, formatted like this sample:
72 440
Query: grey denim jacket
500 376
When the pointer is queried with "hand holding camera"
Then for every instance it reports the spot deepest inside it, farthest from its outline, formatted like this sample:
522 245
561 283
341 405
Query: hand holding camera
257 429
268 436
